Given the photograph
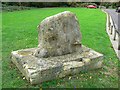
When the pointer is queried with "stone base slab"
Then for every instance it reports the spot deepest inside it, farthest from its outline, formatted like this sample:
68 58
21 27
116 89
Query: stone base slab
37 70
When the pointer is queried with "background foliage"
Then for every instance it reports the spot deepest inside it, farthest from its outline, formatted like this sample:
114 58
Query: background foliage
22 5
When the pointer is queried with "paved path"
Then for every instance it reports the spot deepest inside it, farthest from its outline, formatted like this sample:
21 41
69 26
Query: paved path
115 17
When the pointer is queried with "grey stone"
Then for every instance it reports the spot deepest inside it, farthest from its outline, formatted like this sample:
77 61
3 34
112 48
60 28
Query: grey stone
37 70
59 35
59 52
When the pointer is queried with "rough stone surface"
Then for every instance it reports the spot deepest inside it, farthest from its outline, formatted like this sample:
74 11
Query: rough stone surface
37 70
59 35
59 52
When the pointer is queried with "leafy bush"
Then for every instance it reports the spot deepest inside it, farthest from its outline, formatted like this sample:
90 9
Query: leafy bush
110 4
106 4
86 4
72 4
15 8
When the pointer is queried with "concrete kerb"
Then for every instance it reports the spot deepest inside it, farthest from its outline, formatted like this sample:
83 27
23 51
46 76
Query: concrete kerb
111 36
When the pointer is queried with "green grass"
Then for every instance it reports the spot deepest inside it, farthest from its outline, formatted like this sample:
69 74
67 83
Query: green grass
20 31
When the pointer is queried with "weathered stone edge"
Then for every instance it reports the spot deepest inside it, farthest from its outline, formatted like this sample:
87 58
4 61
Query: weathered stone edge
94 63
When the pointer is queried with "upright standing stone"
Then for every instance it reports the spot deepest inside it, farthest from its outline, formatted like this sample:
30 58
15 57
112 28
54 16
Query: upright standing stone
60 43
59 35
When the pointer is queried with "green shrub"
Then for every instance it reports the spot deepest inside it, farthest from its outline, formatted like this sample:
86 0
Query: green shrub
15 8
86 4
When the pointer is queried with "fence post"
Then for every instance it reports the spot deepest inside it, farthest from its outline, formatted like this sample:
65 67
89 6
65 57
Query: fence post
109 22
111 29
118 41
114 35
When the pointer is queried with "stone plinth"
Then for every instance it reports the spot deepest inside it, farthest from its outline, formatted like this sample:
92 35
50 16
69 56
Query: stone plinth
37 70
59 52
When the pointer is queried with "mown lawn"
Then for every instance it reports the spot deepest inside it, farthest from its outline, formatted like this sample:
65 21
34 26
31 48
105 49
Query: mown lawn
20 31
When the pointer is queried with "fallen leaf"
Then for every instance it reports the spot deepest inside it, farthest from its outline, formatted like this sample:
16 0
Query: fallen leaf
69 78
90 77
23 77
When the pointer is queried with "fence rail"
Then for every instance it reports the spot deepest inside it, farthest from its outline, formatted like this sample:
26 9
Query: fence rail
112 26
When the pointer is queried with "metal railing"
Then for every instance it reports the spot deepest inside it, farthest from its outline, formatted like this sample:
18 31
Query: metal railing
112 26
